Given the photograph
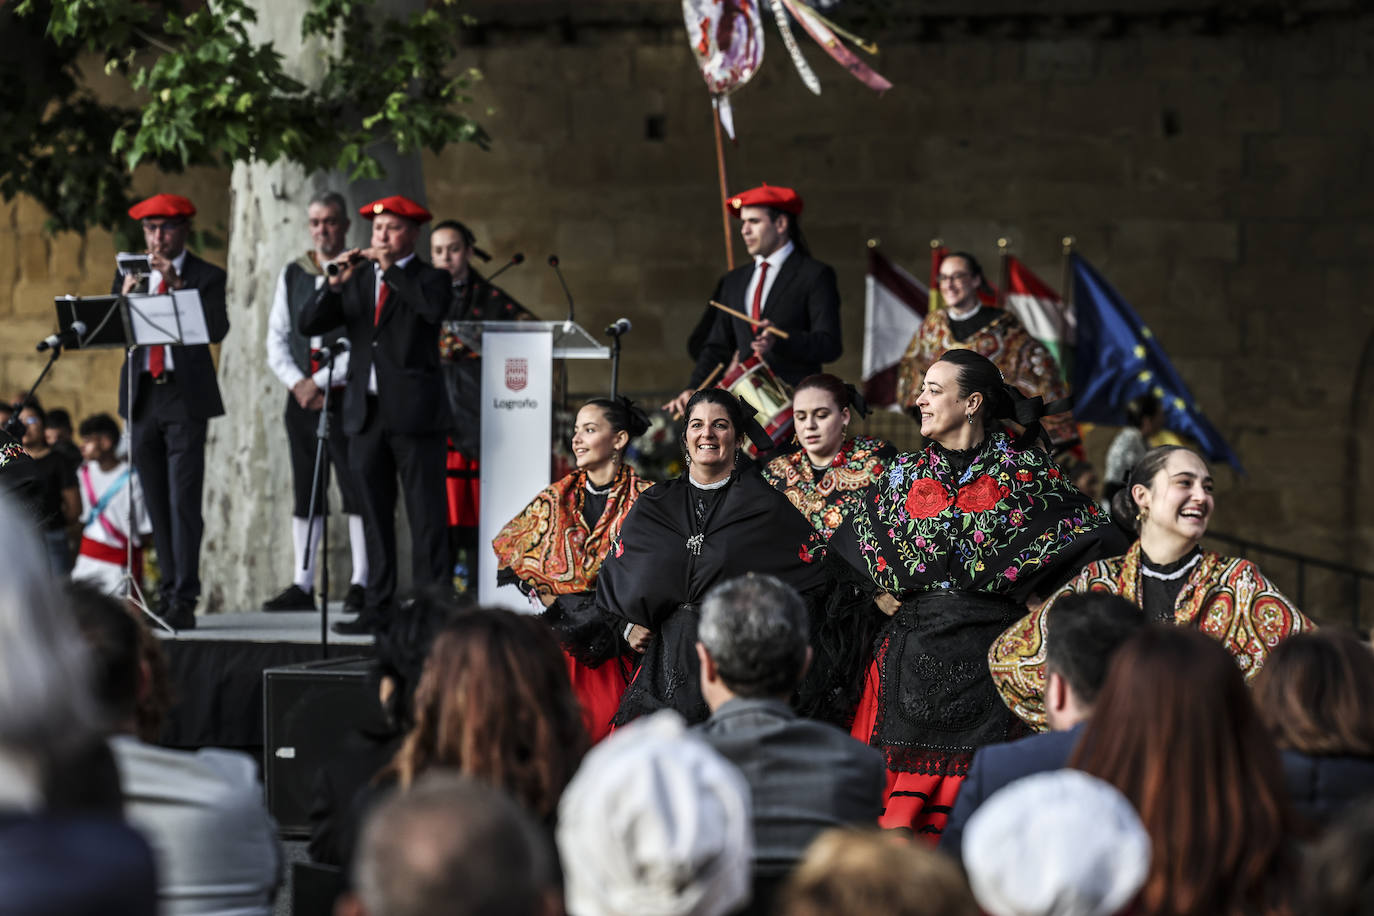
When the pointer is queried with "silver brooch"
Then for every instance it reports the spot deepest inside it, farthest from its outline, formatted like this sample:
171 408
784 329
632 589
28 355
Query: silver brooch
694 544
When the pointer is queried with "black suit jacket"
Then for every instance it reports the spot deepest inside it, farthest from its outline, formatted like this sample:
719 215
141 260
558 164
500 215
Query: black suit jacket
804 301
194 368
998 765
404 346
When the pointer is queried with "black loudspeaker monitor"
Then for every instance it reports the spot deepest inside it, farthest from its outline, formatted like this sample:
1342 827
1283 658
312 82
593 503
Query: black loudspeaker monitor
310 709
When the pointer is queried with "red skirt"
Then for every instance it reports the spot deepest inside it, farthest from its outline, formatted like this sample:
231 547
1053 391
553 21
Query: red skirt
598 690
914 800
464 490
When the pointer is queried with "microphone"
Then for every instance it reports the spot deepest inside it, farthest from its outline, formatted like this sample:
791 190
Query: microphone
620 326
517 258
67 338
327 354
553 262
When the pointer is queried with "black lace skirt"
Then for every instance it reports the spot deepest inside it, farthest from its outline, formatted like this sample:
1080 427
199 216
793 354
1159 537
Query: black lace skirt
669 675
936 698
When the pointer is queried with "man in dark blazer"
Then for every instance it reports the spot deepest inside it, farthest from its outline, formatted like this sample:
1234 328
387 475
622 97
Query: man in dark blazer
1083 632
395 410
175 393
804 776
784 288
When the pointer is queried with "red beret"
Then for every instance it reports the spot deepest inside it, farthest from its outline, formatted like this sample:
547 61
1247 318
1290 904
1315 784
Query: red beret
397 205
784 199
162 205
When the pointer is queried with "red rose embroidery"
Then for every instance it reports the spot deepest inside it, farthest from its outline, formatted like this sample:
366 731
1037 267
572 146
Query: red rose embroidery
619 547
881 564
804 555
1055 473
1023 475
926 498
979 496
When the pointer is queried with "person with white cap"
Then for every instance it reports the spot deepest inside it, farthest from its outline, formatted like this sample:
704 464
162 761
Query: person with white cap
655 823
1056 844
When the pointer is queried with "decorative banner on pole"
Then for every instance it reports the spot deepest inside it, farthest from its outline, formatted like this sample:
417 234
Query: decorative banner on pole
726 37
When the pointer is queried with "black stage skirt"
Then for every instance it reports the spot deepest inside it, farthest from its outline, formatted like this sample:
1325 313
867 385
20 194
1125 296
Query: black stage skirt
669 675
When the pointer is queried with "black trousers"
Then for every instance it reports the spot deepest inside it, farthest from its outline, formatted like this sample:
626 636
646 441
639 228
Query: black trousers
169 455
378 456
301 426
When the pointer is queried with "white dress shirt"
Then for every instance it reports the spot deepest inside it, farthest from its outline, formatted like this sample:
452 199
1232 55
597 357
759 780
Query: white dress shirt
377 272
279 331
775 261
154 281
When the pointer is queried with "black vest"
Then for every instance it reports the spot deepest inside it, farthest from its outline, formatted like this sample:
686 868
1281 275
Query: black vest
300 287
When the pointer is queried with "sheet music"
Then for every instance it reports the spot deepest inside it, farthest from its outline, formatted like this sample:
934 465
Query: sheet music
155 319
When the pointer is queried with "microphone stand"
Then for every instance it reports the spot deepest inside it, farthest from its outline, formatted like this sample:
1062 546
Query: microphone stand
52 358
518 258
319 488
615 364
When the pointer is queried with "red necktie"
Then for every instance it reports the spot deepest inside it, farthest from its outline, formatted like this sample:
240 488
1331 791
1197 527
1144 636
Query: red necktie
381 303
757 307
157 356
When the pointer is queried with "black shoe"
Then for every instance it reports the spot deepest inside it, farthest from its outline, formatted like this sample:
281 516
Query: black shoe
292 598
182 616
355 600
362 625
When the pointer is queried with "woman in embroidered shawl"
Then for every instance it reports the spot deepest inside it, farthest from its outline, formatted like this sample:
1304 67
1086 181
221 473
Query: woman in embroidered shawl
1168 500
717 521
553 551
827 473
951 543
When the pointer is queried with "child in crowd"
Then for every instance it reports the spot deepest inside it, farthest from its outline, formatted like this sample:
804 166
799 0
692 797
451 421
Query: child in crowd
106 484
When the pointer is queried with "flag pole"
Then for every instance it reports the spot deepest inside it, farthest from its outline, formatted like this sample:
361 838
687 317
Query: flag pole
935 300
1066 274
724 192
1003 271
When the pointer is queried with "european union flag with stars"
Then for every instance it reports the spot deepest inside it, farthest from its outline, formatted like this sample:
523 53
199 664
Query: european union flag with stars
1117 360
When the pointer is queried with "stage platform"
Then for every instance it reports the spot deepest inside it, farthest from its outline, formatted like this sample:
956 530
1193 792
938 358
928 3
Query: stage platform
216 671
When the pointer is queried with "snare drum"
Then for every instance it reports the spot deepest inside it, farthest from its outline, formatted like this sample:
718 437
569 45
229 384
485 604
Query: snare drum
755 384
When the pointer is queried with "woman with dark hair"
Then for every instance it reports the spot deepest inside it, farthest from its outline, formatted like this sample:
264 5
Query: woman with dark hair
553 551
951 543
717 521
1315 694
452 247
826 473
1168 502
494 703
1175 730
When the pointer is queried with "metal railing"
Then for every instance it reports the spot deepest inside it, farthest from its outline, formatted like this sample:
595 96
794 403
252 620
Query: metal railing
1351 575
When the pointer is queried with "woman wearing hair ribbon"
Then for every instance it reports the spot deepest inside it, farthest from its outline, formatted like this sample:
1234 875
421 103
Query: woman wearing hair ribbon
950 544
553 551
827 473
1167 499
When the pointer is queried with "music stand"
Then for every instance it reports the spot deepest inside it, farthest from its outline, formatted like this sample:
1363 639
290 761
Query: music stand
129 322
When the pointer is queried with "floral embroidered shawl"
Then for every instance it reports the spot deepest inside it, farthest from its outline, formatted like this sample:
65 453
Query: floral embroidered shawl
860 462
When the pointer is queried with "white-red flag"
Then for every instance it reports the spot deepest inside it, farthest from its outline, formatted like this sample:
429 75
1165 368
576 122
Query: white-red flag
895 303
1041 311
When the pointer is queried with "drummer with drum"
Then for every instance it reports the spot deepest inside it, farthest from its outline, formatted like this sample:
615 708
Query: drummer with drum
783 310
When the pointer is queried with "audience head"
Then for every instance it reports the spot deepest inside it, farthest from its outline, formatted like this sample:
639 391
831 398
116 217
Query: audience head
451 846
1339 870
45 704
1146 413
858 873
1083 633
752 640
116 660
1315 693
655 823
1061 843
402 648
494 703
35 425
1168 492
99 437
1175 730
59 426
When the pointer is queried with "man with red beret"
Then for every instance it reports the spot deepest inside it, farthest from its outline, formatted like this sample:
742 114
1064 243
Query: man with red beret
395 410
175 393
784 287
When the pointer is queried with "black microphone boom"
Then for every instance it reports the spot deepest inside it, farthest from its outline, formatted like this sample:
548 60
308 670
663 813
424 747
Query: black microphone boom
517 258
553 262
329 353
67 338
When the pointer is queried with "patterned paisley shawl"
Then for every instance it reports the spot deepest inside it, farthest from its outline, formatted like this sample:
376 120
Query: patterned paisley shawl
860 462
1225 597
549 548
1006 523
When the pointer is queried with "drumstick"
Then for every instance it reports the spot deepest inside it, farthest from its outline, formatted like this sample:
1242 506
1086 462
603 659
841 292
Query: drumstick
709 379
777 332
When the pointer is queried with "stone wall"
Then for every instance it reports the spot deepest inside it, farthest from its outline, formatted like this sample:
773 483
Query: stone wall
1221 181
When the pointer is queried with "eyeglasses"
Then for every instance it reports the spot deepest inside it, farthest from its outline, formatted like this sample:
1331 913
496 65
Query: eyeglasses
962 276
31 421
